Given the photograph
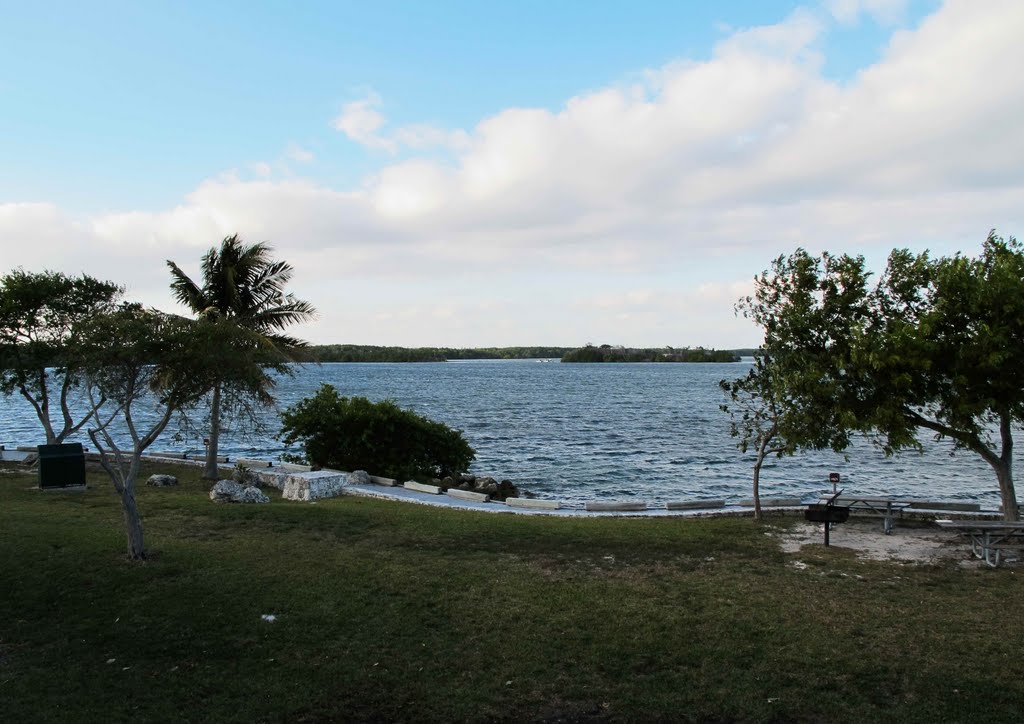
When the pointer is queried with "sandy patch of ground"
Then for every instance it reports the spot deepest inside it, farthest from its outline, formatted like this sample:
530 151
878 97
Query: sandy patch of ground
923 545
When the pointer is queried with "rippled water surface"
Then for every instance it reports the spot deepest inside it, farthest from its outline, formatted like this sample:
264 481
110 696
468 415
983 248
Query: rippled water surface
583 431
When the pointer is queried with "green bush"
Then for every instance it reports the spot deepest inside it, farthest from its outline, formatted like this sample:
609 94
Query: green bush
380 437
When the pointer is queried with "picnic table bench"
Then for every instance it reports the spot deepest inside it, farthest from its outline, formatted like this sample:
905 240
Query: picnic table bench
886 508
889 508
989 538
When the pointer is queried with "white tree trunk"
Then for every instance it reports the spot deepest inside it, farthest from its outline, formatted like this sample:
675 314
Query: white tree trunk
211 471
132 522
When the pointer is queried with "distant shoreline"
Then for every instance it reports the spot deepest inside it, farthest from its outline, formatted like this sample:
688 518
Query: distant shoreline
588 353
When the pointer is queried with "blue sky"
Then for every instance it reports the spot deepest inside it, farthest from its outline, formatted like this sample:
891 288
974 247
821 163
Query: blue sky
102 92
466 173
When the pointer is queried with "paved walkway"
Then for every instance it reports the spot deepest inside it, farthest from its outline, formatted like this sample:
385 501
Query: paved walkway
565 509
571 510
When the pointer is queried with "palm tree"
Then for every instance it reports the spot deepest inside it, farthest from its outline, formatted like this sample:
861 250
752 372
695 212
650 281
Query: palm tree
243 285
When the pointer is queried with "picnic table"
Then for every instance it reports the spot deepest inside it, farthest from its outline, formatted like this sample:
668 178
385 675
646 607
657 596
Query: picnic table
989 538
886 508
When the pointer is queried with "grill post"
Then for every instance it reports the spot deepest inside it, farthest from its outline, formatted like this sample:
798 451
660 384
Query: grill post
827 513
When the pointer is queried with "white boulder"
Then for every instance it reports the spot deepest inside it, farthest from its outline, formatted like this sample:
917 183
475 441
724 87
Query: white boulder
228 491
162 480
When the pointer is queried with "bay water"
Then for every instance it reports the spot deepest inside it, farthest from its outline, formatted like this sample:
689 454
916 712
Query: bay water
574 432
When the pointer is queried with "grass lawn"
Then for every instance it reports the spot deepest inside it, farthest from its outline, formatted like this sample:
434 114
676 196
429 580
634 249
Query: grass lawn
397 612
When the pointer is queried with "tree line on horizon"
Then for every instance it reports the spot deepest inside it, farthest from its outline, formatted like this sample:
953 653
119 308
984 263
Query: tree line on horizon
608 353
377 353
588 353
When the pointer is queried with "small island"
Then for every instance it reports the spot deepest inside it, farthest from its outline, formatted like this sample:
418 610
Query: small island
374 353
608 353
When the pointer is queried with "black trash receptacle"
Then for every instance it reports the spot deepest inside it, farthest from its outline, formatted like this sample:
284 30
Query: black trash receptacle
61 466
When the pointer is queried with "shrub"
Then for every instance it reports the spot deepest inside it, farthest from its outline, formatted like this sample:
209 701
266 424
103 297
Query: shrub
242 475
356 434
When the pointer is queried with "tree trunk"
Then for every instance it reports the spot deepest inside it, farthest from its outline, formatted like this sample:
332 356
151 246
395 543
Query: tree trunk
42 410
132 522
1010 509
211 472
757 483
1003 465
1005 471
762 452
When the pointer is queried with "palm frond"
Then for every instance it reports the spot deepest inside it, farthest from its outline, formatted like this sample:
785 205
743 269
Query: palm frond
241 282
186 291
290 311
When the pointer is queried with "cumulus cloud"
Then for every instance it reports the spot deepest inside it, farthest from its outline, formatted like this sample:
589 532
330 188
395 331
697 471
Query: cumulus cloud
885 12
363 123
696 176
360 121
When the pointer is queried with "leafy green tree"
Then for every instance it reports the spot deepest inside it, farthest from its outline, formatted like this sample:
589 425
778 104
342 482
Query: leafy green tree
41 316
379 437
241 283
141 367
949 340
787 400
934 345
755 406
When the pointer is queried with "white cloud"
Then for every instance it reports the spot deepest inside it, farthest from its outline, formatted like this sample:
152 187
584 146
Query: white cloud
787 39
650 317
884 12
628 214
262 169
422 136
360 121
295 152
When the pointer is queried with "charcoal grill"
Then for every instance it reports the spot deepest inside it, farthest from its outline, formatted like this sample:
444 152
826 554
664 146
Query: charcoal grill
828 513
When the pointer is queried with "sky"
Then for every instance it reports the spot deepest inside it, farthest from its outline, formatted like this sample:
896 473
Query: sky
497 174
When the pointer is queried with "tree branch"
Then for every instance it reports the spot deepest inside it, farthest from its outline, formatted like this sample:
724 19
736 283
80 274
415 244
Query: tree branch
969 439
65 387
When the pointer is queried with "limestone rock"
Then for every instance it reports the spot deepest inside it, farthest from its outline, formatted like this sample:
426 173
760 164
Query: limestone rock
228 491
162 481
506 489
359 477
314 485
252 494
273 477
488 486
483 485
